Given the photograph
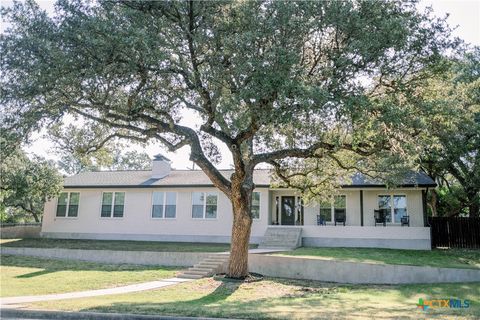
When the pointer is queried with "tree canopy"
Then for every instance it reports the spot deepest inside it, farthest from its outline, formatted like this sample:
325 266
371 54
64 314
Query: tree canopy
275 81
91 147
452 141
25 184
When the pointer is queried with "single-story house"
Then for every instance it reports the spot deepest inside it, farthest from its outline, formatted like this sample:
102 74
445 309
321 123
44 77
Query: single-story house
183 205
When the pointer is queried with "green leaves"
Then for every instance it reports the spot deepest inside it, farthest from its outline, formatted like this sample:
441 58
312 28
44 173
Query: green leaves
26 184
269 79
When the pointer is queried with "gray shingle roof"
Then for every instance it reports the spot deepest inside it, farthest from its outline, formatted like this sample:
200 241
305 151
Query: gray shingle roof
412 179
180 178
197 178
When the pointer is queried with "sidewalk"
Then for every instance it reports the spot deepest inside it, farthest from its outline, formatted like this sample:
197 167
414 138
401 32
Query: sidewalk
93 293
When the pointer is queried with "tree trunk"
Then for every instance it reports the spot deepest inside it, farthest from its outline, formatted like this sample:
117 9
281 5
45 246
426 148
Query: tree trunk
35 216
241 197
433 202
238 265
473 204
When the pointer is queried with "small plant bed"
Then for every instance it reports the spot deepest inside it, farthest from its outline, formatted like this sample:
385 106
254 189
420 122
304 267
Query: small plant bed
275 298
117 245
443 258
21 276
252 277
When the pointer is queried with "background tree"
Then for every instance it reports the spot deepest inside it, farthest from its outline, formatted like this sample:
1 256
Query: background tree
25 185
92 147
452 142
272 80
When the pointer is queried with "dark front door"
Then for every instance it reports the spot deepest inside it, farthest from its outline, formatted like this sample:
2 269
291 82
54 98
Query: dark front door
288 211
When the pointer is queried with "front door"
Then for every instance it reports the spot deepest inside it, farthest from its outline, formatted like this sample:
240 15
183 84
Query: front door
288 211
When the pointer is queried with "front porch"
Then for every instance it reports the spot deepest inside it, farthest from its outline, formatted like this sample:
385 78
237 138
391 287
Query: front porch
350 208
352 221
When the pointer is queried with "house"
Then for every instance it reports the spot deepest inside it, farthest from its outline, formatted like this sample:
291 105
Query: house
183 205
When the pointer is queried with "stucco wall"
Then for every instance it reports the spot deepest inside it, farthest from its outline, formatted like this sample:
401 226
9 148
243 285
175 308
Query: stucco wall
355 272
391 237
183 259
138 224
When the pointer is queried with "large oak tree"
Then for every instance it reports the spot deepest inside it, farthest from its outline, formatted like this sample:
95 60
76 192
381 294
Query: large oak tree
273 81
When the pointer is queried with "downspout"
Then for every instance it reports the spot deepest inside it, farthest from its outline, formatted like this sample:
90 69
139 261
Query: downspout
361 208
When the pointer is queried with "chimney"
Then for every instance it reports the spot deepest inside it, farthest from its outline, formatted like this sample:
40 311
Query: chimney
160 167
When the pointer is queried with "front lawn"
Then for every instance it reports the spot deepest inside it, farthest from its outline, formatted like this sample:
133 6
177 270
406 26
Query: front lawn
451 258
35 276
117 245
281 299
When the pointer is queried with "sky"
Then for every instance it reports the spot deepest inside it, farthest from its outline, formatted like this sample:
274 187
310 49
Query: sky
464 15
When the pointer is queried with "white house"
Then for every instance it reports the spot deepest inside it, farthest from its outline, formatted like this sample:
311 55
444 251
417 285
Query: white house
183 205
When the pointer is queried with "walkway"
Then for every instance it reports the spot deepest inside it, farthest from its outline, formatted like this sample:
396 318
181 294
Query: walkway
93 293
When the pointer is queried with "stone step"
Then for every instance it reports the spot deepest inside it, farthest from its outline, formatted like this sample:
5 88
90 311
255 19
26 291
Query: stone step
201 272
201 269
215 260
281 238
189 276
206 265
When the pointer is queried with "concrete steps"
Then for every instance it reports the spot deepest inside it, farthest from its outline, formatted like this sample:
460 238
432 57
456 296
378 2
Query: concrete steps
281 237
207 267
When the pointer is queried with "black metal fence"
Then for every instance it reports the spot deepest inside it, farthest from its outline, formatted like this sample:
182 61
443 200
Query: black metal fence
455 232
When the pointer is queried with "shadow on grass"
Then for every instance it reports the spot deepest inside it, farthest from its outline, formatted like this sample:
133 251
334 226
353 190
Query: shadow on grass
307 300
50 266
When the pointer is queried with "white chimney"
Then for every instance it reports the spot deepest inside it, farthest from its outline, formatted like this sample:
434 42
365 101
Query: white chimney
160 167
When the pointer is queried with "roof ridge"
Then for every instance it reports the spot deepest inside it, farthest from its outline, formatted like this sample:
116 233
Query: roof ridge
132 170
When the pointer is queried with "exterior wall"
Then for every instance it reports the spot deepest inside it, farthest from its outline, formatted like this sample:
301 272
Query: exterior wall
391 237
370 203
137 223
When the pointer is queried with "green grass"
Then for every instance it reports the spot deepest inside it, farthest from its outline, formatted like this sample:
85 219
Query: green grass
117 245
281 299
451 258
35 276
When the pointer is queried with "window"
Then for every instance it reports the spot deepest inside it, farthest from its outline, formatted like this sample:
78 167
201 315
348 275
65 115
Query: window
164 205
67 205
204 205
394 207
326 211
338 209
256 205
112 204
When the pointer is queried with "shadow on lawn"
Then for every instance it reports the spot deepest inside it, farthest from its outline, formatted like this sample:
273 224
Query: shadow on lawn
50 266
322 300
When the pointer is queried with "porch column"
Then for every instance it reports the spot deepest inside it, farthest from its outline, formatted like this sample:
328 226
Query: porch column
361 208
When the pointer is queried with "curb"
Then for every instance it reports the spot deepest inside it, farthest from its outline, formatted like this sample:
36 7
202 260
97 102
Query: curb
9 313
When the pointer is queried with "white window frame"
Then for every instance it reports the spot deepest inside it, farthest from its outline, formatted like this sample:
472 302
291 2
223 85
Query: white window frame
206 193
259 204
392 209
68 206
113 204
163 217
332 207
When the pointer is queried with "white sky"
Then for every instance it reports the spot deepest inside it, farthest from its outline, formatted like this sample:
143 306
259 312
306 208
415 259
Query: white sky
463 14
